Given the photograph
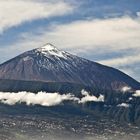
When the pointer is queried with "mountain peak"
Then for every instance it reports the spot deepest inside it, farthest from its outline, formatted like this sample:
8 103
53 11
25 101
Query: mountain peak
49 49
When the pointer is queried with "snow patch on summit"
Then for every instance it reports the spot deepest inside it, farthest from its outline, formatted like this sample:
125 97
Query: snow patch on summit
49 49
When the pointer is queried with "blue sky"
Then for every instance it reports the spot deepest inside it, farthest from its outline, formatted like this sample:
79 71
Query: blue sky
106 31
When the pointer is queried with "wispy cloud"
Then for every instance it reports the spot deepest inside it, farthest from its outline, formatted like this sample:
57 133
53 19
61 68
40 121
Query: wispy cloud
108 34
122 60
16 12
113 34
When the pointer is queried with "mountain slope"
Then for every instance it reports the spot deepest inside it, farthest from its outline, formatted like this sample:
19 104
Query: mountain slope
48 64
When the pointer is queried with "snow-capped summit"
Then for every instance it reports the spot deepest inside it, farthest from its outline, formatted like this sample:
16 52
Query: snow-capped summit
49 49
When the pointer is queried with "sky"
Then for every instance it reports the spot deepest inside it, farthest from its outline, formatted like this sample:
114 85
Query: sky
105 31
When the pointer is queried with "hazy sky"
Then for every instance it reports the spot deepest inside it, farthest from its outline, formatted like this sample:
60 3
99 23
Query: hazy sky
106 31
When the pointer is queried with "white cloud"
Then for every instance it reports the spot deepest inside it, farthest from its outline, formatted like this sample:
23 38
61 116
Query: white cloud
41 98
115 33
112 34
137 93
16 12
45 99
126 89
123 105
89 98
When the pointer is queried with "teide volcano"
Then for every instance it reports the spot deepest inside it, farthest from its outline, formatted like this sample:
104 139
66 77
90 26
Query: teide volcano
51 70
50 65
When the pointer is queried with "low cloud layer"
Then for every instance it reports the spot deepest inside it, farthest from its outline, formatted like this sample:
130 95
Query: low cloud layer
88 97
45 99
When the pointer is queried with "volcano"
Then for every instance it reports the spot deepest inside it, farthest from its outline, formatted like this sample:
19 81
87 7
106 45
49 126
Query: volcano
48 64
